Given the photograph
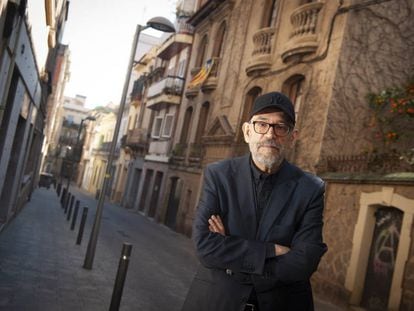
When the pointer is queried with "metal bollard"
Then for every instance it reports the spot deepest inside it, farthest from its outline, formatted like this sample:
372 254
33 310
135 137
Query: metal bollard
72 199
62 198
59 189
67 201
75 215
82 225
120 277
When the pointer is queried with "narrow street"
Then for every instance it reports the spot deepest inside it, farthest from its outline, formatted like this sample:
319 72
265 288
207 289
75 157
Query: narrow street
41 265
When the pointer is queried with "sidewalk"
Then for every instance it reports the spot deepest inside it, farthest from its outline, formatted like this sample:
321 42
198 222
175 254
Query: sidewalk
41 265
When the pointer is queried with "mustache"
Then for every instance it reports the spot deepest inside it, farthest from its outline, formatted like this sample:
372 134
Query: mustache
268 143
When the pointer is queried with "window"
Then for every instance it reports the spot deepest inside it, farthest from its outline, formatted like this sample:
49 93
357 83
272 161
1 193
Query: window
247 107
156 127
293 88
201 55
70 119
168 125
269 13
202 121
218 46
186 125
181 69
162 126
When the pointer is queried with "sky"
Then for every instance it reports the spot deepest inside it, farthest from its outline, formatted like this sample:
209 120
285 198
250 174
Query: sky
99 34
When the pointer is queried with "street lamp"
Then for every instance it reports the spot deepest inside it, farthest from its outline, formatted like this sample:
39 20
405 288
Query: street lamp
90 118
158 23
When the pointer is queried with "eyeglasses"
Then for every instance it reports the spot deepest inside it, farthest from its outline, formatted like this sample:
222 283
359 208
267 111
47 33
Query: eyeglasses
279 129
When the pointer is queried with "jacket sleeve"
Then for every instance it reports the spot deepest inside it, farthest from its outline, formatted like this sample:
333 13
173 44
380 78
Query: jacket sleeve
307 247
223 252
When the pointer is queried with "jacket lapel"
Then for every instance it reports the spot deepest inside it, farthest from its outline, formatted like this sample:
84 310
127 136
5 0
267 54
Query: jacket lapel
279 199
245 197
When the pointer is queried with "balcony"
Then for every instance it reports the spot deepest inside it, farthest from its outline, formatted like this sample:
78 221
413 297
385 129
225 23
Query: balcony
158 151
191 92
196 154
304 36
261 56
175 44
136 140
211 82
103 148
165 92
179 153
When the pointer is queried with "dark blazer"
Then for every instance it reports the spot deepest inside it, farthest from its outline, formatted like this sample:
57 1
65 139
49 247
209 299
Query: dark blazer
232 265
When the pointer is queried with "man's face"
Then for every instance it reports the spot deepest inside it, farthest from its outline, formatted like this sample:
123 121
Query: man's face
269 149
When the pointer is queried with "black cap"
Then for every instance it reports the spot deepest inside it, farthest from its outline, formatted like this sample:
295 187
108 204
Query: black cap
274 100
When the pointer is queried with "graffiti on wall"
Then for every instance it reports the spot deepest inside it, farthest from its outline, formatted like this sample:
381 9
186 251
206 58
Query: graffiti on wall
382 257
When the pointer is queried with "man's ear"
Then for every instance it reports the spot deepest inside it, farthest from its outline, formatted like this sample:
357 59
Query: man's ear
246 132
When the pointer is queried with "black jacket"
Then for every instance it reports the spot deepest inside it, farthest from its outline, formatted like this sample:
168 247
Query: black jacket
233 264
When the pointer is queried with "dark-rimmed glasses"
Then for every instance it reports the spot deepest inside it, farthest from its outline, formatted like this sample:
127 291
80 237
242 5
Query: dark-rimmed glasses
261 127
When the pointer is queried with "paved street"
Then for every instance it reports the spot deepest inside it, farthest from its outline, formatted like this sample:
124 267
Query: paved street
41 265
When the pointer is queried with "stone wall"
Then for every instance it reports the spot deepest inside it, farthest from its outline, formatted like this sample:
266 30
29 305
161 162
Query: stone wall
340 217
377 52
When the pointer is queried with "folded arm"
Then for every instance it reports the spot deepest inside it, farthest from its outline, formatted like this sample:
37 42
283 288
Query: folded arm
288 264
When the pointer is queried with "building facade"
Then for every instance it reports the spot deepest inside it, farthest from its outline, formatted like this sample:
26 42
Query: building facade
66 137
163 97
23 101
95 154
328 57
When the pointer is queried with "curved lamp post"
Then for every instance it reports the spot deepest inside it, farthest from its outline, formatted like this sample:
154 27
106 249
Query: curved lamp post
158 23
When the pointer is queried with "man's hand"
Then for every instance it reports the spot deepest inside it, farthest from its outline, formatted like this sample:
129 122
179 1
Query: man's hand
216 225
281 250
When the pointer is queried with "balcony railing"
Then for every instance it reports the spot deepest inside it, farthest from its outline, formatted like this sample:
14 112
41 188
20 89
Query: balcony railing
305 18
262 51
211 81
304 34
171 85
103 147
137 136
263 41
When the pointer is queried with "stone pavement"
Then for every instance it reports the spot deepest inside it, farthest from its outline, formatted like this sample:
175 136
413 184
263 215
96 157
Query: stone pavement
41 265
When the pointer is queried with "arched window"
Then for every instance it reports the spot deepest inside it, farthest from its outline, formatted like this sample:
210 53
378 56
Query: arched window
293 88
186 125
202 122
201 55
247 107
269 13
219 40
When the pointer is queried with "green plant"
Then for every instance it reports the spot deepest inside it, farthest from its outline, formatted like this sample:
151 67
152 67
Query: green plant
392 119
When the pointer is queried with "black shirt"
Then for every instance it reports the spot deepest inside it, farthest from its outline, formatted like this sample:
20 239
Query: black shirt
263 185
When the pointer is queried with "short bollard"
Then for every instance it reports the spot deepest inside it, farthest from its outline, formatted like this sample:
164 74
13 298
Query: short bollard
120 277
75 215
67 202
62 198
82 225
58 189
72 199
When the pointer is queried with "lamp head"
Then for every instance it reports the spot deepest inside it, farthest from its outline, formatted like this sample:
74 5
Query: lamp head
91 118
161 23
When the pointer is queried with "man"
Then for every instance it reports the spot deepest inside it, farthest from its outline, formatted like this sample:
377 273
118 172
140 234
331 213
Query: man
258 228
